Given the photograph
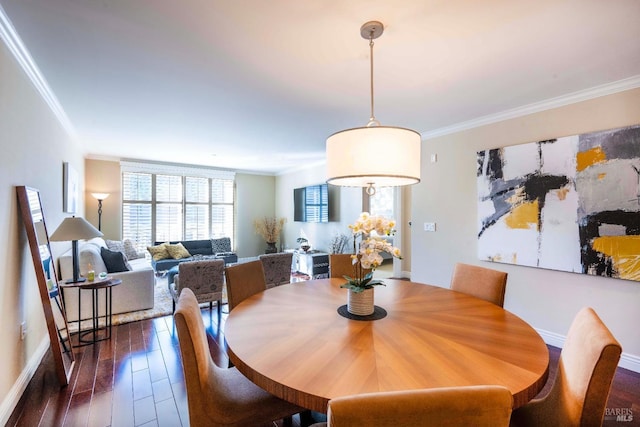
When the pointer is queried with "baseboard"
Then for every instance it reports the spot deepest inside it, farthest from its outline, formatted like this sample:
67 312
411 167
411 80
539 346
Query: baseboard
627 361
15 393
551 338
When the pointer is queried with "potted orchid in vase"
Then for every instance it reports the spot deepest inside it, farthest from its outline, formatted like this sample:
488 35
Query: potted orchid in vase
366 259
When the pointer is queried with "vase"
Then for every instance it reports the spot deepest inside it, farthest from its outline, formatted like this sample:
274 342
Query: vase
271 248
360 303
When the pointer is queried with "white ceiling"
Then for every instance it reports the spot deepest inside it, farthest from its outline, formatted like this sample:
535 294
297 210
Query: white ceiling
258 85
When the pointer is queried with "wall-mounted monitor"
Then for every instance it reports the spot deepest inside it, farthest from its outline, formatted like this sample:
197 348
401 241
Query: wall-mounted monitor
311 204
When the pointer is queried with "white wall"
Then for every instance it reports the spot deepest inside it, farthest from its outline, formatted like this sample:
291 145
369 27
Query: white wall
255 199
34 147
548 300
349 207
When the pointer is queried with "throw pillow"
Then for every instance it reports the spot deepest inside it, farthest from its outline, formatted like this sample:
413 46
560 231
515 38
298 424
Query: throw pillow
130 250
159 252
114 260
178 251
115 245
222 244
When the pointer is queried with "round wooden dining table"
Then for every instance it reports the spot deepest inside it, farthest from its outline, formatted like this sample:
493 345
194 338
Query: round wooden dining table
291 341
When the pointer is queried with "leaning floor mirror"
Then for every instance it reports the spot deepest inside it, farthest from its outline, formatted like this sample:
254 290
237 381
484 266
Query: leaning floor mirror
35 226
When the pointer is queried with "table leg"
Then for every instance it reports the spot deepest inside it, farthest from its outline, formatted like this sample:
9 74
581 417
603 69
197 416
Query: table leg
94 313
79 317
108 320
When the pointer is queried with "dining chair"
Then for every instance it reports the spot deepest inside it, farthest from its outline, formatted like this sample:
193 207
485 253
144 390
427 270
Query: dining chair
586 367
217 396
341 265
477 406
480 282
277 268
205 278
243 280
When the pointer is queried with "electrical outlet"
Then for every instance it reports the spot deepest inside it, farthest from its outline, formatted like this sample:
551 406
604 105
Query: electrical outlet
429 226
23 330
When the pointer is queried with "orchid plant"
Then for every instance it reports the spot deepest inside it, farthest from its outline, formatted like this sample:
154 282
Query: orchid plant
371 245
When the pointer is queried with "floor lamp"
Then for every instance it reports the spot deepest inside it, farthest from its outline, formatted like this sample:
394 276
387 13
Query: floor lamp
75 228
100 197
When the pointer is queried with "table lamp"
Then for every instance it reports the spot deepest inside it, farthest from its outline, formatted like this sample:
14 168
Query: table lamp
74 229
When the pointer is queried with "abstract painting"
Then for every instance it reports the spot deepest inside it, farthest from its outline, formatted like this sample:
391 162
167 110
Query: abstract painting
569 204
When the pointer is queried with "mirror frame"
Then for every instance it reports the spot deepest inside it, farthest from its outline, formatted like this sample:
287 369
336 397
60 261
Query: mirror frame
60 347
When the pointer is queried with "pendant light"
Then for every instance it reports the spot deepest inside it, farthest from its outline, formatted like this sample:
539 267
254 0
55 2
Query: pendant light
374 155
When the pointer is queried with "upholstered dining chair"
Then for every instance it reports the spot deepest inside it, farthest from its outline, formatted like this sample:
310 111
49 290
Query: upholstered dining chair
579 394
277 268
480 282
204 277
476 406
243 280
217 396
341 265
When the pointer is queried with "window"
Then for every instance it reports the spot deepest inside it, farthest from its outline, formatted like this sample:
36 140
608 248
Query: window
136 209
159 207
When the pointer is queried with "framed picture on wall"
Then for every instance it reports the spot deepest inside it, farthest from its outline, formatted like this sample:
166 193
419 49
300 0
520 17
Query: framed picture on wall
569 204
70 188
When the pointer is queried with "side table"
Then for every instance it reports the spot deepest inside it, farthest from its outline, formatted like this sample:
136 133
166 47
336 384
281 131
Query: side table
94 286
314 264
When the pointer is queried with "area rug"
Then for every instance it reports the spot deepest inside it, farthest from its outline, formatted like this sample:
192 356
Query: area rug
296 276
162 305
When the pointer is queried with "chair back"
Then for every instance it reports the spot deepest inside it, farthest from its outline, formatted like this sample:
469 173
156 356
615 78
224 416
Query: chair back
341 265
216 396
582 384
205 278
451 406
484 283
197 365
277 268
243 280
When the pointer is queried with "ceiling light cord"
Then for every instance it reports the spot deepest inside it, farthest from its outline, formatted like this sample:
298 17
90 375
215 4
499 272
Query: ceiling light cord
372 118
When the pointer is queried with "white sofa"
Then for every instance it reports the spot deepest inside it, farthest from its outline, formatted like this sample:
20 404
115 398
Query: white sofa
135 292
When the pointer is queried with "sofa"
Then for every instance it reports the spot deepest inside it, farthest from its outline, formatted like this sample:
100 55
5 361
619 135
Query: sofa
136 292
197 249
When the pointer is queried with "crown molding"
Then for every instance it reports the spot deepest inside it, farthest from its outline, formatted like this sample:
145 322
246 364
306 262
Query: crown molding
12 40
560 101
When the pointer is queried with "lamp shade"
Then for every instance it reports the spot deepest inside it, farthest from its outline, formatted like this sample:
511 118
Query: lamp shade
379 156
100 196
75 228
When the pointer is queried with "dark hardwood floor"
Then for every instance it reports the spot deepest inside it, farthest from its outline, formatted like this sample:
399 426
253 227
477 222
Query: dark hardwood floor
135 379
